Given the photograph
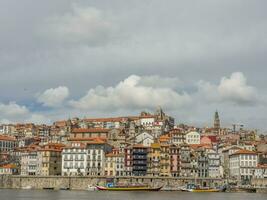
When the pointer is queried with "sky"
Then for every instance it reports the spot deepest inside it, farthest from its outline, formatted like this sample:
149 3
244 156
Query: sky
65 58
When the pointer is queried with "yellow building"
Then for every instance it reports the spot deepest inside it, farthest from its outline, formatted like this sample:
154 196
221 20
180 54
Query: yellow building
114 164
165 164
154 160
49 160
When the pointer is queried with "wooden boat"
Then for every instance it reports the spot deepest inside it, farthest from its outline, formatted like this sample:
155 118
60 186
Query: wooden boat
204 190
128 188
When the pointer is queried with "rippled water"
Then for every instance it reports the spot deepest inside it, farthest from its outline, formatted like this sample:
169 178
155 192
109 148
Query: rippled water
106 195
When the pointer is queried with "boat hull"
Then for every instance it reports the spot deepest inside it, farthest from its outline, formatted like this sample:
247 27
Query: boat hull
204 190
128 188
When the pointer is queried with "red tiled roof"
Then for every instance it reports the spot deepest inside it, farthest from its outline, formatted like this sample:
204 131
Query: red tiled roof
9 166
90 130
243 151
7 138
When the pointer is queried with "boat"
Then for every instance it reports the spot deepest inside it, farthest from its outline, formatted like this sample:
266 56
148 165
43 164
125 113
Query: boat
27 187
91 188
128 188
194 188
205 190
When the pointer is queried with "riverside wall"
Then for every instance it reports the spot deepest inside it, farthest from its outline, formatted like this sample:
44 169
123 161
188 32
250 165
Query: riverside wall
82 182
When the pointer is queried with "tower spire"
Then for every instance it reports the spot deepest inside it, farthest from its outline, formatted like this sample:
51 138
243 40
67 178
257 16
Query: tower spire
217 124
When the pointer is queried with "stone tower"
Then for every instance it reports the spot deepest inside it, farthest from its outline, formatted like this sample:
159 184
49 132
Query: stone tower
217 121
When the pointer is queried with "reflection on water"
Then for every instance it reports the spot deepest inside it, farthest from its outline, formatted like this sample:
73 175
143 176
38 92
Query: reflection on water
105 195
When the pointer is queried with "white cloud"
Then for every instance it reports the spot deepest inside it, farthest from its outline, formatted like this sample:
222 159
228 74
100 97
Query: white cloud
12 109
131 94
83 25
160 82
53 97
234 89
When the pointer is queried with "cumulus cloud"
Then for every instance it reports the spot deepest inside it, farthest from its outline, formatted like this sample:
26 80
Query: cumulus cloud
15 113
12 109
160 82
83 25
131 94
233 89
53 97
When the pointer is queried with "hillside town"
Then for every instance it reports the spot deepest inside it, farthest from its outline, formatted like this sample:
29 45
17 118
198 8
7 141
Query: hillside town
148 144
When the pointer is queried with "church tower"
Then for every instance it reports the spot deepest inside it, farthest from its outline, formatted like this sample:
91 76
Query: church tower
217 121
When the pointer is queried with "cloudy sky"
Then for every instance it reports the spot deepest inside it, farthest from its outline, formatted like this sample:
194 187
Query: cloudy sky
61 59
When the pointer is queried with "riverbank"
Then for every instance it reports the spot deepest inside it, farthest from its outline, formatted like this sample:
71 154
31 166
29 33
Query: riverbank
82 182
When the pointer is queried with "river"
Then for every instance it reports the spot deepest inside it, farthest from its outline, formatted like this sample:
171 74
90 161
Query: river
105 195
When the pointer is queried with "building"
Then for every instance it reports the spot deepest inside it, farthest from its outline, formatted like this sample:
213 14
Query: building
154 160
74 160
165 162
144 138
139 157
260 172
243 164
202 163
114 164
217 123
85 135
214 166
96 151
128 160
175 160
185 161
192 137
177 136
49 159
8 169
7 143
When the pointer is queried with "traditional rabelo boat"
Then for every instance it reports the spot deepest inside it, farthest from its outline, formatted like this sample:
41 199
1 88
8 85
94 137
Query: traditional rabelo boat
129 188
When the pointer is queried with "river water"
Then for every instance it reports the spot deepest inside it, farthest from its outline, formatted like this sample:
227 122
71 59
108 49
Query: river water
107 195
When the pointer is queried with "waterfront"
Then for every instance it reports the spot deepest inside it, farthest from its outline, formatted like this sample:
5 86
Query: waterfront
6 194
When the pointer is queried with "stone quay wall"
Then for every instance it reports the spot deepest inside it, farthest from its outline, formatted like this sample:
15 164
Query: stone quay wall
82 182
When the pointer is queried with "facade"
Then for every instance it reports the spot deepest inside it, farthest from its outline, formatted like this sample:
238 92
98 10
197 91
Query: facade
175 160
114 164
154 160
139 156
74 160
260 171
185 161
165 161
144 138
213 164
192 138
49 160
128 161
96 157
8 169
202 164
7 143
243 164
177 136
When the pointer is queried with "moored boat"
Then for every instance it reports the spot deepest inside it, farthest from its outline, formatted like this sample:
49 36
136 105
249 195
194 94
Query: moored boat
204 190
129 188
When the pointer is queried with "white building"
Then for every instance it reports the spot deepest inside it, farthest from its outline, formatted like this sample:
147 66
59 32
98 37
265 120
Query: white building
147 121
96 157
144 138
214 170
243 164
260 171
192 137
74 160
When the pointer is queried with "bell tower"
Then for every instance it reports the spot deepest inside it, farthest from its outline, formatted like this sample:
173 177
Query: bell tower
217 124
